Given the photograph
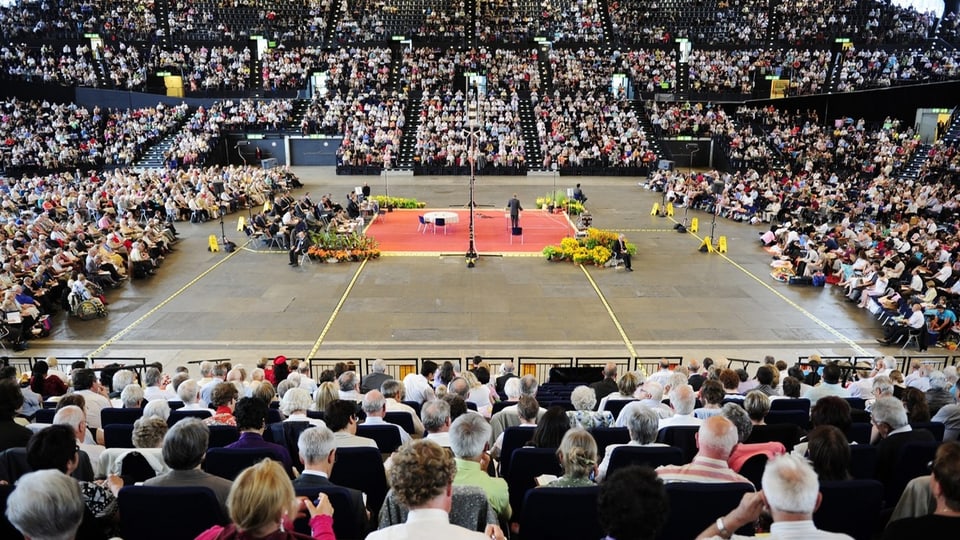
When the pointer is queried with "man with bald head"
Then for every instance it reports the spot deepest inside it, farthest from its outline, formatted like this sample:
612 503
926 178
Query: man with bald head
375 407
715 440
609 383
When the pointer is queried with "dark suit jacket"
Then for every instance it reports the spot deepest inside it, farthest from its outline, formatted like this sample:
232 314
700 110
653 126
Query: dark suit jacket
195 477
373 381
514 206
696 381
13 435
888 450
309 481
604 387
502 380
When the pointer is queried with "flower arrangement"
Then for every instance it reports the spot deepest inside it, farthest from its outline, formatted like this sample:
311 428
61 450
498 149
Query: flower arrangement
397 202
342 248
595 248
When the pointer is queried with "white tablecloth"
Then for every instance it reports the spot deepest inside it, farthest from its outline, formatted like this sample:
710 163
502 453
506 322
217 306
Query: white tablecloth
448 217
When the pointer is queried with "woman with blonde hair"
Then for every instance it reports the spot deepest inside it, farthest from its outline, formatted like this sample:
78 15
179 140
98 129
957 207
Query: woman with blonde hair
578 459
479 394
263 505
326 393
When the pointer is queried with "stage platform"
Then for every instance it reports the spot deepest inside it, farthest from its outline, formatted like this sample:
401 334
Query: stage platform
399 232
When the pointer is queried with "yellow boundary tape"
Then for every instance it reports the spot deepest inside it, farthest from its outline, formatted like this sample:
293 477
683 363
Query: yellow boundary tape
853 345
336 310
613 316
113 339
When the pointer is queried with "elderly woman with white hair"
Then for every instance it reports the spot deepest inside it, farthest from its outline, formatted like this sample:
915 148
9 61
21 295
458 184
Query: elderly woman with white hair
147 438
584 400
295 404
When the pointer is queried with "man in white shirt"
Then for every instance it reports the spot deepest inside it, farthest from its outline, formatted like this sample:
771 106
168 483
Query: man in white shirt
651 396
306 381
791 492
341 417
85 384
219 375
74 417
417 385
643 425
436 421
829 386
684 400
392 390
662 375
155 389
349 383
899 331
375 406
422 478
527 409
189 394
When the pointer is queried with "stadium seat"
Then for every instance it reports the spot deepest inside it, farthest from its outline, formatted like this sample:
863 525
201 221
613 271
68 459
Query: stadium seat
543 506
188 512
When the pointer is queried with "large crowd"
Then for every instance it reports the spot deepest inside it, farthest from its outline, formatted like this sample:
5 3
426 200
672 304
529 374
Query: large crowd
238 20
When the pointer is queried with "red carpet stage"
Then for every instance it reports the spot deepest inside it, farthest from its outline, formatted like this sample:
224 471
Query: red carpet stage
397 231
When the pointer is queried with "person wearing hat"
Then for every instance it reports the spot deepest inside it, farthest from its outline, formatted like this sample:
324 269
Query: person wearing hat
279 372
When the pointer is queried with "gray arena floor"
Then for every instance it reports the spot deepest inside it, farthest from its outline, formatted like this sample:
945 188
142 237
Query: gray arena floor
678 302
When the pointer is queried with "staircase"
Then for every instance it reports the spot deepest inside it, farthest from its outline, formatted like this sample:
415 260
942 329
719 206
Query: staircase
531 142
104 80
609 37
546 72
912 168
296 115
161 10
408 142
952 133
333 18
651 135
833 79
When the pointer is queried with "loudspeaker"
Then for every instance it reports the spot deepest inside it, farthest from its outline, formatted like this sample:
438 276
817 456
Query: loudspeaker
717 187
218 188
665 165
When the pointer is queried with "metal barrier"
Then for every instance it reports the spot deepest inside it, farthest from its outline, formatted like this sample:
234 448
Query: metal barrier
24 364
746 363
539 366
623 363
397 367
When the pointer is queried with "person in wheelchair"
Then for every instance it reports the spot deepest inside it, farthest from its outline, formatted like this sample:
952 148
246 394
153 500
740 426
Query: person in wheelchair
620 251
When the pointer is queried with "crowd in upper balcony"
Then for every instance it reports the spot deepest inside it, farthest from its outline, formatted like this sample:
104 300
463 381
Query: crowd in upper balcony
871 22
51 136
238 20
645 22
865 69
209 69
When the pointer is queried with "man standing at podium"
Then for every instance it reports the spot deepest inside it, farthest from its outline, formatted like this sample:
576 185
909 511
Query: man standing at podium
513 205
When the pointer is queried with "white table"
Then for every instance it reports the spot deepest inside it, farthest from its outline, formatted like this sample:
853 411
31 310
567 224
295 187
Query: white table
448 217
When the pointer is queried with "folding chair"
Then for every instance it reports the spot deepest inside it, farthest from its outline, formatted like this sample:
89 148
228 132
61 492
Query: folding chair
439 223
515 232
422 227
543 505
196 510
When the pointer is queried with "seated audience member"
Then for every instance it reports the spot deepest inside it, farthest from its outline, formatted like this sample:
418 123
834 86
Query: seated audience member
56 448
341 418
683 400
765 381
895 332
159 408
326 393
890 418
377 376
944 486
85 383
435 415
74 417
12 434
829 411
527 409
829 386
318 453
295 404
224 400
791 493
148 434
584 401
468 440
716 440
633 504
45 384
417 385
375 406
915 402
757 405
651 396
189 394
422 478
251 416
393 392
262 503
523 386
184 448
711 395
608 384
156 386
349 383
642 425
550 429
731 384
939 393
626 388
829 453
131 397
744 451
578 459
46 505
791 387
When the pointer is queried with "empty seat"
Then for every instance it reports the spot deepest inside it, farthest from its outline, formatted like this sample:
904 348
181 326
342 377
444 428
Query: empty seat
362 468
709 501
651 456
850 507
526 464
543 506
386 437
229 462
607 436
189 512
